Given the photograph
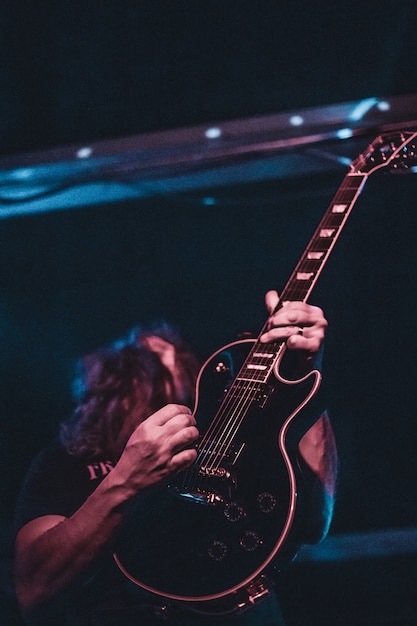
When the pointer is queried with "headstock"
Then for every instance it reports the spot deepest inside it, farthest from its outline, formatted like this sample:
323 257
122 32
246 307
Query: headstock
398 152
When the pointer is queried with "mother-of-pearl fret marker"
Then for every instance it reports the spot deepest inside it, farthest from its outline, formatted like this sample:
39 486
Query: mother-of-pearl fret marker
251 366
339 208
304 275
315 255
327 232
262 355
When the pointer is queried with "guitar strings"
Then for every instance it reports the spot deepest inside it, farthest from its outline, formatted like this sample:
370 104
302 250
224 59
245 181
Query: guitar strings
235 407
242 393
222 431
233 394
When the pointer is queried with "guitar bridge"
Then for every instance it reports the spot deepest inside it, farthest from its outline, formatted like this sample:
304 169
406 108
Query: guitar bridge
200 487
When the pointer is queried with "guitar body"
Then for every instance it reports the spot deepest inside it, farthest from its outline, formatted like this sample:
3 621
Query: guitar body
214 529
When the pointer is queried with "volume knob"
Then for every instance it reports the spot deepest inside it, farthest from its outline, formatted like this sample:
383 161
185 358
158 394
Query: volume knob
233 512
217 550
266 502
250 541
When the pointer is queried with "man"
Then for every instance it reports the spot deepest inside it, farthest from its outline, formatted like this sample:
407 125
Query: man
133 429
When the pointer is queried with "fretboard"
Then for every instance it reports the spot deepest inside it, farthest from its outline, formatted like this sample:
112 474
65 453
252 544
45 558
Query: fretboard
261 359
311 263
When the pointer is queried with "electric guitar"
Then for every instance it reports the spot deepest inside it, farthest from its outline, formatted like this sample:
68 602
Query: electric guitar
211 536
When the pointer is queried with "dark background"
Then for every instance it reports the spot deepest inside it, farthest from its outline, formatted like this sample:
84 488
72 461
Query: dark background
72 280
88 69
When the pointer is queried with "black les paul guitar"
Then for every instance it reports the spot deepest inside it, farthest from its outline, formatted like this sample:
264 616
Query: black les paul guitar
209 538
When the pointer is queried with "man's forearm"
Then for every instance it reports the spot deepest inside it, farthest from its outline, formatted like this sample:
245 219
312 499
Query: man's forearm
58 557
319 456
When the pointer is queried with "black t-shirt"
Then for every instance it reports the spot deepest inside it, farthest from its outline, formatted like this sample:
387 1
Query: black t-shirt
58 484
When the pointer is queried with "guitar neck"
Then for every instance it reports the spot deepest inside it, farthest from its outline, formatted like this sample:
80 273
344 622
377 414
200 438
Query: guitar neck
262 357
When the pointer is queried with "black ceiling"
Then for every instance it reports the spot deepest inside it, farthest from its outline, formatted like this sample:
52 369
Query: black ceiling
86 70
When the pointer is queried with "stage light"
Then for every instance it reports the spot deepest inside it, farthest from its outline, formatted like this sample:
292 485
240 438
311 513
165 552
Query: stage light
22 173
213 133
344 133
296 120
84 153
383 105
362 109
